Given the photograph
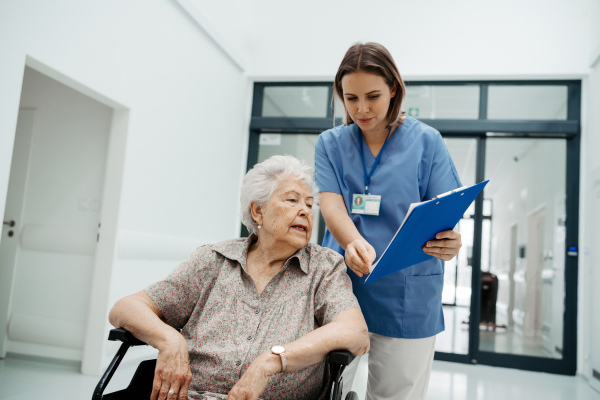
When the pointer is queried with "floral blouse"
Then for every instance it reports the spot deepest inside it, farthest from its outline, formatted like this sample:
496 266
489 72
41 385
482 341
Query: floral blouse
227 323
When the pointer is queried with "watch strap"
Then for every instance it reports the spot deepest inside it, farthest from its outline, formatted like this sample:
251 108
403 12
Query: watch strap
283 361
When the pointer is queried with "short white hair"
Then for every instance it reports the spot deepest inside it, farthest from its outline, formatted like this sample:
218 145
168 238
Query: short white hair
262 180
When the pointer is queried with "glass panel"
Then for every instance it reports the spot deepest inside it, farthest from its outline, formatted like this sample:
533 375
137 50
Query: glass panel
301 146
487 208
295 101
527 102
523 247
456 295
442 102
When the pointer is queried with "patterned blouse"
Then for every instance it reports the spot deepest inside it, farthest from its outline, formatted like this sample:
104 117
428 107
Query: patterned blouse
227 324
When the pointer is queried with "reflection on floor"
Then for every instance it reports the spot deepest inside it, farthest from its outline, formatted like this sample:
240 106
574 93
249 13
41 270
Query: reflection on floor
27 379
455 339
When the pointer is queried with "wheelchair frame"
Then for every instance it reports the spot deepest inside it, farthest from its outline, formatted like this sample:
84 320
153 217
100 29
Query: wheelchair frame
140 386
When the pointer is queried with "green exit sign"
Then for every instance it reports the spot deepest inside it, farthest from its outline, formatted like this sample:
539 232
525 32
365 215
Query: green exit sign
413 111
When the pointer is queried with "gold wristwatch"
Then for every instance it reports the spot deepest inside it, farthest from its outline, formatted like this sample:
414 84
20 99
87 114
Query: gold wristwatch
280 351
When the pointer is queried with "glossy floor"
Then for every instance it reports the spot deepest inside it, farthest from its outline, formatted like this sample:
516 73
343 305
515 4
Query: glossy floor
26 380
455 339
452 381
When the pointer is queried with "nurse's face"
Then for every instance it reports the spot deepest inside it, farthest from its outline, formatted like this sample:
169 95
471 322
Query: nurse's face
367 99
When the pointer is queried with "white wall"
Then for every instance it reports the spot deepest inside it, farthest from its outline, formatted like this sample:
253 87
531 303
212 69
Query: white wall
187 122
589 266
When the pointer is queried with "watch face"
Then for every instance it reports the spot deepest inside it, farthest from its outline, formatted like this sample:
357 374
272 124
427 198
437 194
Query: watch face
277 349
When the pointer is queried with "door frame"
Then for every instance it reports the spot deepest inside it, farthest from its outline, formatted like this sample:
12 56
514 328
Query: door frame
480 129
93 350
7 273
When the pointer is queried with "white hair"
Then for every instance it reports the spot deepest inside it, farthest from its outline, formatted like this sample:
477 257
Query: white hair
262 180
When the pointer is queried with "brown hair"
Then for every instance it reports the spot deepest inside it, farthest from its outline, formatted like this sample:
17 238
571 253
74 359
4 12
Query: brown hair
373 58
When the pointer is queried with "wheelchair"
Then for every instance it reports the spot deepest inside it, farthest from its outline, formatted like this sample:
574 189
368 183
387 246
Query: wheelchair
140 386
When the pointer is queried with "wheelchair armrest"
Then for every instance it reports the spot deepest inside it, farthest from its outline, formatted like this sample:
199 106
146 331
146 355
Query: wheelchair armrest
123 335
338 360
341 357
118 334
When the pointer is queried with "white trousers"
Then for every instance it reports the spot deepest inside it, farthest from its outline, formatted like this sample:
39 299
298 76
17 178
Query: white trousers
399 369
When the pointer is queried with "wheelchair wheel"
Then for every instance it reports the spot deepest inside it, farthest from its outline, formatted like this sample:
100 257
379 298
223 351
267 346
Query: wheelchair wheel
351 396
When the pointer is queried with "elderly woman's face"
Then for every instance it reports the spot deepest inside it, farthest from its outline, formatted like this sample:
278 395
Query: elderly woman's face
287 216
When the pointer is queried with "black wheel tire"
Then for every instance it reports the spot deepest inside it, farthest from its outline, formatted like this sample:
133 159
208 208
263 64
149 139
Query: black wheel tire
351 396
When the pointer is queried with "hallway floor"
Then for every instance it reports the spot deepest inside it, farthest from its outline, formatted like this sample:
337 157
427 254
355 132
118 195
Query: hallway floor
453 381
22 379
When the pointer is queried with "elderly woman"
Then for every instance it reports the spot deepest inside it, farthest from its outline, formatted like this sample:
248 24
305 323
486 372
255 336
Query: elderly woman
257 315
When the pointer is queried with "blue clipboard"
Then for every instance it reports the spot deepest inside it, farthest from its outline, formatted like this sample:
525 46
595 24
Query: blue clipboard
422 222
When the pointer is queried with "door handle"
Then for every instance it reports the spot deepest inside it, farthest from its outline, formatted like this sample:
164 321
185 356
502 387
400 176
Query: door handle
9 223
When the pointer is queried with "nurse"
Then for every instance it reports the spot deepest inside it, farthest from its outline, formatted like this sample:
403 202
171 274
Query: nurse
388 160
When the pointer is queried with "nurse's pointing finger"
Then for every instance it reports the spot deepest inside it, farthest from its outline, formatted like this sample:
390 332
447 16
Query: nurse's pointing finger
360 264
370 251
363 253
367 254
358 256
353 261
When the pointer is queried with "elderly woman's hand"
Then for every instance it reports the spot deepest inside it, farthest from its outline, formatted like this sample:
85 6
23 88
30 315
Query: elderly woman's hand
359 256
172 376
445 246
254 381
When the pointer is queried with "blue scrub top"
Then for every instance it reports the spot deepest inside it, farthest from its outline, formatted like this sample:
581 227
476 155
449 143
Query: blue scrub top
414 166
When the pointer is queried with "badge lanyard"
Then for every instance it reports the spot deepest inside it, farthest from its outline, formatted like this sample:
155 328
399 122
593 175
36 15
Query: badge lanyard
368 204
362 156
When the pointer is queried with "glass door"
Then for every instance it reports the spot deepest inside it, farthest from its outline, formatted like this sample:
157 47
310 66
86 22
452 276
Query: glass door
523 286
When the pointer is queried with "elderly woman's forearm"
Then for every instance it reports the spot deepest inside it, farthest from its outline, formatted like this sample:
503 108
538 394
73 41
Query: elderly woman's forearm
139 315
348 331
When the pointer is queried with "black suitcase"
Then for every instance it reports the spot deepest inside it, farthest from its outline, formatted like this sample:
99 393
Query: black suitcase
489 296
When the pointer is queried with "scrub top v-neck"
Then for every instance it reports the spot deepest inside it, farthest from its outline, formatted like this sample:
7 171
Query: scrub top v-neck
416 166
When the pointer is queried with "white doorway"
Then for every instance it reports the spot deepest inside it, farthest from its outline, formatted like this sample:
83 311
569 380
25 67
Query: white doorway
12 215
54 197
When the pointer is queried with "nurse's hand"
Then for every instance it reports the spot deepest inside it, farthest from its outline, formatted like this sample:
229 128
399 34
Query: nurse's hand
359 256
445 246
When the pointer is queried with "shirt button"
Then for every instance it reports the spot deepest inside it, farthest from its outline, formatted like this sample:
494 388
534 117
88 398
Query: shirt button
238 363
249 337
256 311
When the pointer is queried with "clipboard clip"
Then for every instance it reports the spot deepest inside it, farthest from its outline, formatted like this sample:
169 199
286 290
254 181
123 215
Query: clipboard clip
450 192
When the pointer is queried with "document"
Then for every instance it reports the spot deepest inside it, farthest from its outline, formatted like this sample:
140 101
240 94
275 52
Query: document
422 222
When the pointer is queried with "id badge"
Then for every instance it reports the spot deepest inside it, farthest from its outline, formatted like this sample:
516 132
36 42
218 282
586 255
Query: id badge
367 204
